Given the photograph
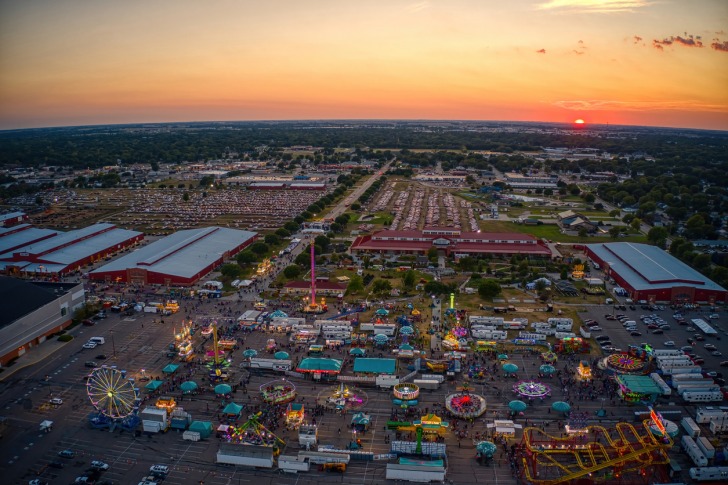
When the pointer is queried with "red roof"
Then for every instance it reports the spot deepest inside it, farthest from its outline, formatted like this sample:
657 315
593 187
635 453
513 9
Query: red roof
390 233
505 248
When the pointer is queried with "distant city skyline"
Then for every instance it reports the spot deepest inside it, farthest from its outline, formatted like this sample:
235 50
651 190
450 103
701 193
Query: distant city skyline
626 62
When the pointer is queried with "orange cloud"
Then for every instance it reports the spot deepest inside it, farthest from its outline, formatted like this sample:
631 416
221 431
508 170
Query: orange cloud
719 46
687 41
595 6
637 39
605 105
541 51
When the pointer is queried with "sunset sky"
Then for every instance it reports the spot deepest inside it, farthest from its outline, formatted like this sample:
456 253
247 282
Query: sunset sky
644 62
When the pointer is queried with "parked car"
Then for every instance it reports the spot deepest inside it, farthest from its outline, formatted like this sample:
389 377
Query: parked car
88 323
101 357
56 464
635 334
709 346
91 363
89 345
56 401
99 465
669 343
66 453
716 353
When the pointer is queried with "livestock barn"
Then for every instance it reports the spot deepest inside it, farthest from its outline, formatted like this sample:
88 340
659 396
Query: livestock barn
180 259
651 274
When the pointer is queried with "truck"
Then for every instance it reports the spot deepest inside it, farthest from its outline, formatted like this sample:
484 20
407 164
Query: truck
154 420
293 464
426 384
691 427
415 473
691 449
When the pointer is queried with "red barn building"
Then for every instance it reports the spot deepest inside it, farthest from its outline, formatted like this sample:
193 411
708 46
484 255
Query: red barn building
651 274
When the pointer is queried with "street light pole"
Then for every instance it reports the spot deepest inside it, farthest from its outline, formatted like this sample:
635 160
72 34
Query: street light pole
113 346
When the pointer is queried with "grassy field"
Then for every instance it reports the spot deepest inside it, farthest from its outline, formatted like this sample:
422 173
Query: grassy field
552 232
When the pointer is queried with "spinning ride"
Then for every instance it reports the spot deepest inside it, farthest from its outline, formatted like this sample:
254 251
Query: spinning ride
625 363
278 392
532 390
405 395
343 397
465 404
252 432
111 393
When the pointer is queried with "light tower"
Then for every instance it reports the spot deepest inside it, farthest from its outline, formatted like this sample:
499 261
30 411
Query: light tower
313 276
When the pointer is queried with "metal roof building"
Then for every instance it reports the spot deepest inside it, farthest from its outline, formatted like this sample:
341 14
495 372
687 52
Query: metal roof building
43 251
650 273
179 259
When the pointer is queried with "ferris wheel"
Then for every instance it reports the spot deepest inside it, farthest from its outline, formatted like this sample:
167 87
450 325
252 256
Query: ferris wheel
111 393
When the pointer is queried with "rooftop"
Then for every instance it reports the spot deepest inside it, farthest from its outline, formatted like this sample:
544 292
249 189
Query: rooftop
22 297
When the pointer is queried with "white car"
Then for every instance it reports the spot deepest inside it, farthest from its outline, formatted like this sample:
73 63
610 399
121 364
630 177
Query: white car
159 469
89 345
56 401
669 343
717 353
99 465
595 328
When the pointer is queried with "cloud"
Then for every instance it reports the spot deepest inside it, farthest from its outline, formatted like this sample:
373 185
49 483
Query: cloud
720 32
593 6
416 7
580 42
637 39
578 53
720 46
608 105
541 51
688 40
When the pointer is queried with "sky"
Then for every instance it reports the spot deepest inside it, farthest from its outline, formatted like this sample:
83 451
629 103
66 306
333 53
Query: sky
636 62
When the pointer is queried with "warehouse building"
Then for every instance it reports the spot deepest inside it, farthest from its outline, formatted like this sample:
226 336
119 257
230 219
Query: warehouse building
180 259
32 311
36 252
451 241
651 274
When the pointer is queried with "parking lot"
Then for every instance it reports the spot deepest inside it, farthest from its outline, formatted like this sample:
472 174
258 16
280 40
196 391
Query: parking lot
679 334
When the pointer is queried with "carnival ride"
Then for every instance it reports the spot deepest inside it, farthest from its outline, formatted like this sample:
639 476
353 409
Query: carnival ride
465 404
405 395
280 391
252 432
427 428
311 306
578 272
166 403
625 363
599 453
295 413
343 397
217 364
584 372
114 398
183 343
532 390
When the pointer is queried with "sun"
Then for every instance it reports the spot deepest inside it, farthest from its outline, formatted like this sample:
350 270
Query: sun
579 121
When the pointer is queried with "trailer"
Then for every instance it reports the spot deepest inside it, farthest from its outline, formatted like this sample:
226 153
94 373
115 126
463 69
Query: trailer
666 391
267 364
386 381
706 447
154 420
245 455
322 457
706 385
709 474
293 464
693 376
709 414
691 427
665 352
415 473
191 436
691 449
433 377
717 427
698 396
427 384
670 370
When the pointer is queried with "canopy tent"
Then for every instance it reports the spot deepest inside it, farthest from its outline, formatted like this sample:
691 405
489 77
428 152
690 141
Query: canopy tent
281 355
188 386
221 389
382 312
202 427
360 419
322 365
406 330
486 448
561 407
547 369
380 338
170 368
510 368
233 409
375 366
278 314
517 406
502 356
357 351
153 385
406 347
249 353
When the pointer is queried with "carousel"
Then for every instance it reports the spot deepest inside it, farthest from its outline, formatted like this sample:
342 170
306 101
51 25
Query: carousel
532 390
465 404
278 392
405 394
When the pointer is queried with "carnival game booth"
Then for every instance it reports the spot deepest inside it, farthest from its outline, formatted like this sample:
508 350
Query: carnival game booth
320 368
637 389
572 345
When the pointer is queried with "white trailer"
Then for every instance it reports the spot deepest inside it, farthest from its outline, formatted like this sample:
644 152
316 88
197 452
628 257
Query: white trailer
485 320
191 436
697 386
709 474
267 364
433 377
666 391
415 473
293 464
678 378
426 384
718 426
670 370
691 427
322 457
706 447
697 396
709 414
539 337
154 420
691 449
665 352
245 455
386 381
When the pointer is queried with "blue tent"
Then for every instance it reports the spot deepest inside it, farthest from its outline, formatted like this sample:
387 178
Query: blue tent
202 427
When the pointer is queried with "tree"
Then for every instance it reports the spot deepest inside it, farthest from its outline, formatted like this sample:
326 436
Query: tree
155 166
381 287
636 223
657 236
271 239
230 270
207 181
303 260
260 248
489 288
356 284
614 232
246 257
322 242
432 254
282 233
292 226
355 206
583 233
589 198
409 279
186 196
292 271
